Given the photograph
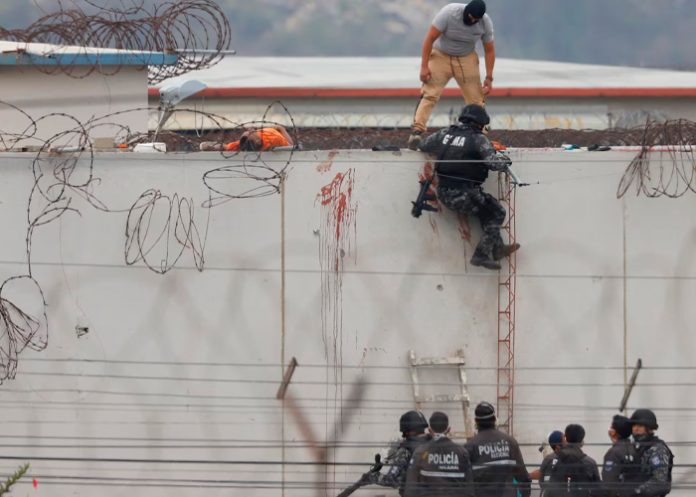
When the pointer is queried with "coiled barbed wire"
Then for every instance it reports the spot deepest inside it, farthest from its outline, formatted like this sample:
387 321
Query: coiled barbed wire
159 228
198 31
669 171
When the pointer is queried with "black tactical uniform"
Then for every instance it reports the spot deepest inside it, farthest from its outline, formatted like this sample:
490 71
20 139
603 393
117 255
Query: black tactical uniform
575 474
399 458
440 468
460 183
496 459
656 460
545 471
621 466
620 469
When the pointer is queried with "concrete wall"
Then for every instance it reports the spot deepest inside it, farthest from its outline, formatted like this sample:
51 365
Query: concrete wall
506 113
84 97
165 384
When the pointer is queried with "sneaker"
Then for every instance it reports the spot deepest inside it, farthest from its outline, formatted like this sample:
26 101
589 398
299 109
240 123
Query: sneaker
483 261
211 146
414 140
505 251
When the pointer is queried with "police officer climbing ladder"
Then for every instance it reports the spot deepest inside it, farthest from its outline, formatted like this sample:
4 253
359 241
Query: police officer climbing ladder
464 158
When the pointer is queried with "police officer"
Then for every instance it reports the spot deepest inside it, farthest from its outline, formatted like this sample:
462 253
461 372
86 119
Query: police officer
499 469
543 474
412 425
575 474
621 466
656 460
440 467
464 157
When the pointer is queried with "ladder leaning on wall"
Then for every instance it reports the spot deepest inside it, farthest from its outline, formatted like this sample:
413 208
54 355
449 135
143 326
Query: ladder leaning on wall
458 361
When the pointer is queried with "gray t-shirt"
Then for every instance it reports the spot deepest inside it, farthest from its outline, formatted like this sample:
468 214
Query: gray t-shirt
457 38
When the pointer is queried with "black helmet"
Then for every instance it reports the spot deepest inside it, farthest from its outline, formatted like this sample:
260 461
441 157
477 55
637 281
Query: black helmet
412 421
644 417
476 114
484 412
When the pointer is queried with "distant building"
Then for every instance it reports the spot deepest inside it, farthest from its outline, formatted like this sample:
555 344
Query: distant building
86 83
383 92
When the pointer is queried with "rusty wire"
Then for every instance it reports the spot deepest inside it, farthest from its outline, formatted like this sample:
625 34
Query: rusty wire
669 170
185 27
345 138
160 228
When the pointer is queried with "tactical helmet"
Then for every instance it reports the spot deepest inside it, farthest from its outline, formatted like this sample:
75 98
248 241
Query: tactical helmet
484 412
644 417
412 421
476 114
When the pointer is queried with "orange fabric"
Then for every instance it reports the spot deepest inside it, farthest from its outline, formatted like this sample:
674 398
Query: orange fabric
232 146
270 137
498 146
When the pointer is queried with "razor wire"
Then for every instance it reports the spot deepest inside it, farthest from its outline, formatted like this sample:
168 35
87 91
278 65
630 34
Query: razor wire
197 31
160 227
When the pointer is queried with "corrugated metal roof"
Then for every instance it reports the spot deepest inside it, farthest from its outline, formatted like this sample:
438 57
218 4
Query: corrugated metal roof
393 76
14 53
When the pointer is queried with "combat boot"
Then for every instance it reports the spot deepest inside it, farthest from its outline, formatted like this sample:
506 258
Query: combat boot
504 251
482 260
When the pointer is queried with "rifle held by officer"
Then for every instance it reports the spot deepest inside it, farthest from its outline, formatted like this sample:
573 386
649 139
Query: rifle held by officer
364 479
421 204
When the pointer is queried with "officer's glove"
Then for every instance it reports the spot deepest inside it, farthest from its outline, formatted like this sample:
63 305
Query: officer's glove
503 161
377 466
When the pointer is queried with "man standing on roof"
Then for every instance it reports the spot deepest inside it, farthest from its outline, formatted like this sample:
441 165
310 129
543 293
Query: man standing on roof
449 52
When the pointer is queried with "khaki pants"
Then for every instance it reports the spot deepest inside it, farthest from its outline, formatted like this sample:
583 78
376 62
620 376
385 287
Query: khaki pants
443 67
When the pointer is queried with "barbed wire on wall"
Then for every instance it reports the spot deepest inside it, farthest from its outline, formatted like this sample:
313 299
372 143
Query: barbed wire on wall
666 172
160 227
391 137
197 31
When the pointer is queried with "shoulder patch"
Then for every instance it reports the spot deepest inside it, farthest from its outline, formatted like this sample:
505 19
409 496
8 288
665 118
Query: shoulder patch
656 461
608 465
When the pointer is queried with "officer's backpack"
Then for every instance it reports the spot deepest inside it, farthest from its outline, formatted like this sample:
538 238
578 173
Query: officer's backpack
573 477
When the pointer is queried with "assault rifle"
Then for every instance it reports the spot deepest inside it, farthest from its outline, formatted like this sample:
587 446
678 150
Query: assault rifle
421 204
364 480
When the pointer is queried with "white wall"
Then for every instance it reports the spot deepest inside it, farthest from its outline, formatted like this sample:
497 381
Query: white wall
93 96
185 366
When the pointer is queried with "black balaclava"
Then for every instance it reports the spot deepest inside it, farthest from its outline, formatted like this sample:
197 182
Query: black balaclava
477 8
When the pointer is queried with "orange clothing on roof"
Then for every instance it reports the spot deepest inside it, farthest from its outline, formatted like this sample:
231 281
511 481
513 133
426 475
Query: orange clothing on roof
270 137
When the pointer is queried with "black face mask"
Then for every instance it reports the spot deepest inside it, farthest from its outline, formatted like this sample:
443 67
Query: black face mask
468 21
647 437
